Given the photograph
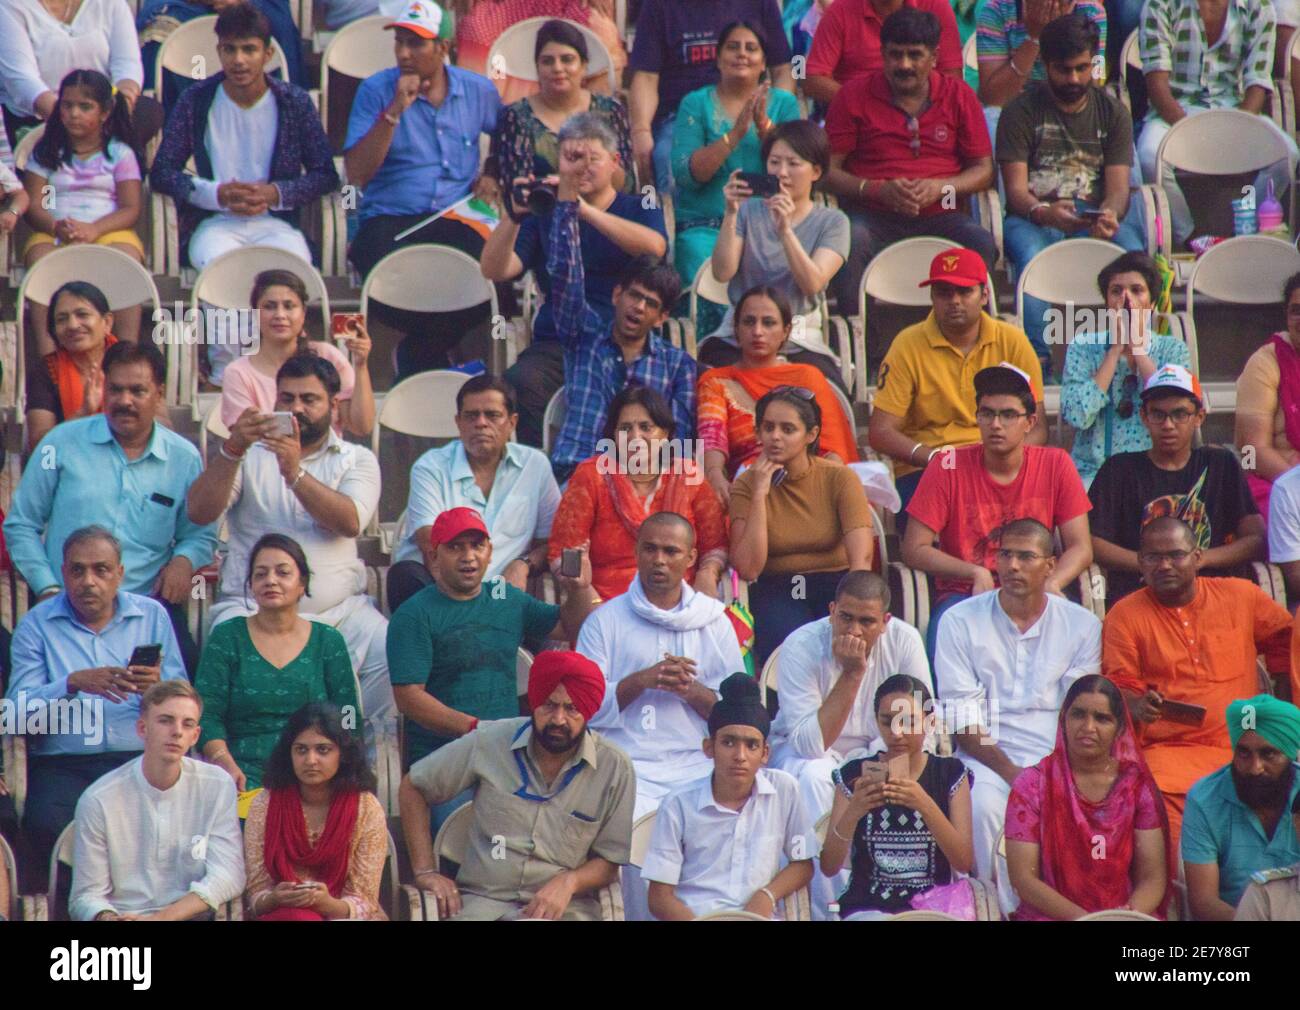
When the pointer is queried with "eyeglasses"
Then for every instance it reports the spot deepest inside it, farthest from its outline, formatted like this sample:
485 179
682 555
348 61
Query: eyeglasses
987 415
1129 392
914 125
1159 417
803 392
1155 557
1024 557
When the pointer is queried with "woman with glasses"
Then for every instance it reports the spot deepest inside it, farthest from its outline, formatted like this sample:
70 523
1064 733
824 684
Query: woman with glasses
1268 402
798 521
727 395
1106 368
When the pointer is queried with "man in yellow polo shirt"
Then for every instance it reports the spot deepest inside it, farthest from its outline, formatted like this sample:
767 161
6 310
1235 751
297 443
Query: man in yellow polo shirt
925 395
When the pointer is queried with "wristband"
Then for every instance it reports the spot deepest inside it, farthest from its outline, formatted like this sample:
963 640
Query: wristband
771 897
227 454
390 119
302 472
726 139
424 873
835 829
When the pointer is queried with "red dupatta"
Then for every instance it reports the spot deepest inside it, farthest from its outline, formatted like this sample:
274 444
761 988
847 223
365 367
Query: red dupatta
287 845
1074 830
1288 401
673 492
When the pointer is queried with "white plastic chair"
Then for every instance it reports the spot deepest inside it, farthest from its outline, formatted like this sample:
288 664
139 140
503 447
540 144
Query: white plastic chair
1130 58
970 54
356 50
191 51
553 419
767 678
123 281
511 53
14 749
641 832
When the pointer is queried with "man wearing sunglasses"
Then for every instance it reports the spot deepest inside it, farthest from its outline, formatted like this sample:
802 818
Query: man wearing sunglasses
1202 485
909 147
552 814
1187 640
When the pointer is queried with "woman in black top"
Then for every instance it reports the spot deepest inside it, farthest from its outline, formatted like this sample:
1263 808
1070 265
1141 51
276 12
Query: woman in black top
910 833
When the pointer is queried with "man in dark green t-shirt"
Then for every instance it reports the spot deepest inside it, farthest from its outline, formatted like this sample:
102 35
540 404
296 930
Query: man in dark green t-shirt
452 646
1065 147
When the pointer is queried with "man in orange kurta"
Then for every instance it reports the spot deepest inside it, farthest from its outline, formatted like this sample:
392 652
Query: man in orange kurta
1190 639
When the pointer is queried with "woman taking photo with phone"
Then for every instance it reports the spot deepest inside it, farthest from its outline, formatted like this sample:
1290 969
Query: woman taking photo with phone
257 671
280 298
316 839
783 240
798 521
893 853
719 130
637 473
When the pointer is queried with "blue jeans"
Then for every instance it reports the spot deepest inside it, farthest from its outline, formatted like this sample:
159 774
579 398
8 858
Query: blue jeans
663 155
937 609
1023 240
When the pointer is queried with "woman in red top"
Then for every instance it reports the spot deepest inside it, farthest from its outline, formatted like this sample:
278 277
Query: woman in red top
637 473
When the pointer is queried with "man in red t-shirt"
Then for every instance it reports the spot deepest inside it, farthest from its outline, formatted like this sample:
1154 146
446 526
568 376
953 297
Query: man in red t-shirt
967 494
846 45
908 149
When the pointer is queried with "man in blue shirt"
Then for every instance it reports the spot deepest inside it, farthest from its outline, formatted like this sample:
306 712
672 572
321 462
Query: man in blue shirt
1236 819
600 359
615 227
74 696
124 471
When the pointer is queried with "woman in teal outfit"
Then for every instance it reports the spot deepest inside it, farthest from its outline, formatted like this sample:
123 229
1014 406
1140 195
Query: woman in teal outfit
720 129
257 671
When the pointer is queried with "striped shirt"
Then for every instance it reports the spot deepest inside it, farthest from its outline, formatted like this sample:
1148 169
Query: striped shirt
1171 37
1000 31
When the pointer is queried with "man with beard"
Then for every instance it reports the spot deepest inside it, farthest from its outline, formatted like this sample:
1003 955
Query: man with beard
452 647
1066 152
1203 485
1193 640
552 815
1004 664
1237 819
318 489
909 148
1274 894
122 470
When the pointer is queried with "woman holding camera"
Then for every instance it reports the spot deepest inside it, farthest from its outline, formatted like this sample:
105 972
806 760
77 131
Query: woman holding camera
316 839
782 238
718 131
525 142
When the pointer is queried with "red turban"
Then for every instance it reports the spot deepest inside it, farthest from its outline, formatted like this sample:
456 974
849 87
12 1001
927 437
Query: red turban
579 675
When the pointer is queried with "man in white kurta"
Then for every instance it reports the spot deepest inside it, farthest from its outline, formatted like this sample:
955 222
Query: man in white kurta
263 493
1004 662
664 649
827 676
159 837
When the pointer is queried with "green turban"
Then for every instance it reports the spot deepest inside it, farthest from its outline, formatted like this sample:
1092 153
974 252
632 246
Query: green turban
1275 720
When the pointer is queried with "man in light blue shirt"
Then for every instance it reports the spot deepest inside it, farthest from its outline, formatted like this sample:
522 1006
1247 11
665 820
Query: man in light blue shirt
508 484
72 694
124 471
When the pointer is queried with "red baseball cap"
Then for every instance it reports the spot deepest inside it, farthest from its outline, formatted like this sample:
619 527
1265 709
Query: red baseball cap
453 522
962 267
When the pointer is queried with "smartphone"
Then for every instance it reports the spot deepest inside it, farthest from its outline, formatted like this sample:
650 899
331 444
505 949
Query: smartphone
900 768
875 772
761 184
1087 211
571 562
146 655
283 423
344 323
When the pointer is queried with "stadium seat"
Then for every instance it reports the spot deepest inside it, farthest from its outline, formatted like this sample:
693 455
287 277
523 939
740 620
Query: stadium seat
437 278
1246 270
13 748
1270 579
124 283
212 425
553 419
523 666
1130 58
449 851
767 679
511 55
1117 915
355 51
1217 142
9 868
191 51
226 284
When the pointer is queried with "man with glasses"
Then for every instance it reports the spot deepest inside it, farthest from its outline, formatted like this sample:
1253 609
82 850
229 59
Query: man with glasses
552 814
909 147
924 393
1183 649
967 495
600 359
509 484
1201 485
1005 662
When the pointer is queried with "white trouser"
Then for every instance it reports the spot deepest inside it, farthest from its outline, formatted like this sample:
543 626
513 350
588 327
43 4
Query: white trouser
989 797
817 792
365 631
1148 145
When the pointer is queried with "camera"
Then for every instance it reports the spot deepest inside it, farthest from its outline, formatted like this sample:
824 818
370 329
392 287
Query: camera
539 196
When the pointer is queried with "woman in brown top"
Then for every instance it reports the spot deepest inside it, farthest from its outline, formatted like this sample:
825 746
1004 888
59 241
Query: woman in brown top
798 521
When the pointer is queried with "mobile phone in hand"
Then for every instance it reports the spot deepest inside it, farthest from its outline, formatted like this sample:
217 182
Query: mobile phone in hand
283 423
1087 211
571 562
146 655
343 325
762 184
